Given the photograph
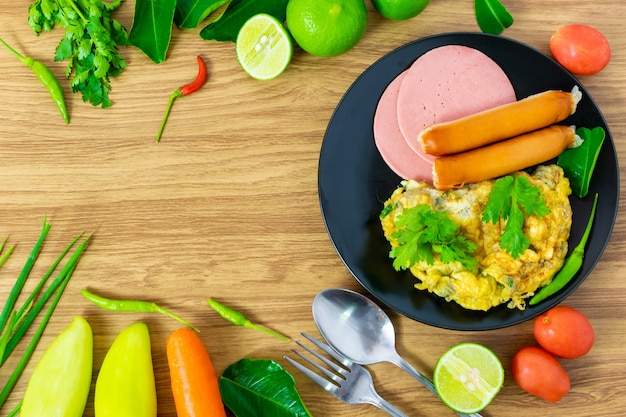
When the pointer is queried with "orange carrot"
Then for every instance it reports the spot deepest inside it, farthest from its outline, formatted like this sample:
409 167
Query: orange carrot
194 381
502 158
499 123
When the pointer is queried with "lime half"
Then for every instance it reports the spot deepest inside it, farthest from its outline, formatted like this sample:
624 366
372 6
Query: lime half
467 377
264 47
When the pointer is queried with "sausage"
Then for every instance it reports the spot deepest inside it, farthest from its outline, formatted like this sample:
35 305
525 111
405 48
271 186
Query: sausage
498 159
447 83
498 123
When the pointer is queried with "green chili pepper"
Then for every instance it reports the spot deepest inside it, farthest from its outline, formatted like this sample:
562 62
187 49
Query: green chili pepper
47 78
61 380
239 319
125 385
132 306
571 266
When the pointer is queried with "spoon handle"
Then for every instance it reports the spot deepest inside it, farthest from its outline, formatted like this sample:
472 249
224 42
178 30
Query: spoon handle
408 368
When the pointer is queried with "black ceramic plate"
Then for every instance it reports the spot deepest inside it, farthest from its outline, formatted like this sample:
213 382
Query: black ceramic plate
354 182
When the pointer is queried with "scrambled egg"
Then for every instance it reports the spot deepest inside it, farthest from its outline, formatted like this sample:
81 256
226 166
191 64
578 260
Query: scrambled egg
500 278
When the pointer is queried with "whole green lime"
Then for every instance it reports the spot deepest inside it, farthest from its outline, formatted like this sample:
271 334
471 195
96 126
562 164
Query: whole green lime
400 9
326 27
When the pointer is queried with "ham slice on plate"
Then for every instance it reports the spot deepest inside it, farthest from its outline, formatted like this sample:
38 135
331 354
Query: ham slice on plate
448 83
390 142
443 84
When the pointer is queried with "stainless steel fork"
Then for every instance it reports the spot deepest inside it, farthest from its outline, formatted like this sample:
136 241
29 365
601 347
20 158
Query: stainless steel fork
350 382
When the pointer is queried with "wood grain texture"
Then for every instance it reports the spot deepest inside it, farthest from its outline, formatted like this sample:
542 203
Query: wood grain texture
226 205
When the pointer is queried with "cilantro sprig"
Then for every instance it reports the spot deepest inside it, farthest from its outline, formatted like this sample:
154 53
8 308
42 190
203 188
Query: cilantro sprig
90 44
423 233
512 199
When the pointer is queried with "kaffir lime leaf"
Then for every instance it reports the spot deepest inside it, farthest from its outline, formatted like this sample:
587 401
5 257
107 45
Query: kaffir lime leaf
467 377
263 47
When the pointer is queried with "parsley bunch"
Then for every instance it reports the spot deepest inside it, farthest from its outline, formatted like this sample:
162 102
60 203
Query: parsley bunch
512 198
423 232
90 43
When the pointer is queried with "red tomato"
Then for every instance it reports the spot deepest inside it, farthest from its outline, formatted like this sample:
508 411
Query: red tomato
539 373
581 49
565 332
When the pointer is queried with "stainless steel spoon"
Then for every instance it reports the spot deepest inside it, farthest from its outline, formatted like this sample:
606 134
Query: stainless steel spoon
360 330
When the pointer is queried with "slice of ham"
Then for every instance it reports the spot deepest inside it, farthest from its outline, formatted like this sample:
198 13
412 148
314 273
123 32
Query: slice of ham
390 142
447 83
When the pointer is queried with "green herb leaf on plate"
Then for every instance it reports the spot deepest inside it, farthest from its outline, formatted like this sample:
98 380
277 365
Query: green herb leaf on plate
151 30
423 232
579 163
226 27
512 198
257 388
189 13
492 17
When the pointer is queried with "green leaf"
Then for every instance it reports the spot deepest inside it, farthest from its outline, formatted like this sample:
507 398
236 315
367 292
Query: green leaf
257 388
189 13
492 17
89 31
42 15
226 27
422 232
579 163
513 239
529 197
63 50
511 199
499 202
151 30
84 48
102 66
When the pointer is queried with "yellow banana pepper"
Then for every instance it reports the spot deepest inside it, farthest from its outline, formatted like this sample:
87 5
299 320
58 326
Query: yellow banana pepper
125 385
60 383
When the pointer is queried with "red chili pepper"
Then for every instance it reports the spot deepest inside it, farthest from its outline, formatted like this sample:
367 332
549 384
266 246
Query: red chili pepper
195 85
185 91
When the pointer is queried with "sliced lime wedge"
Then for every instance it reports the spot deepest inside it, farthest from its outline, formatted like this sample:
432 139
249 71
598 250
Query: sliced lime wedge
468 377
264 47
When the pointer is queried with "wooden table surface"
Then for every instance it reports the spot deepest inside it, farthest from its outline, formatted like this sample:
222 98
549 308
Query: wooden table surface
226 206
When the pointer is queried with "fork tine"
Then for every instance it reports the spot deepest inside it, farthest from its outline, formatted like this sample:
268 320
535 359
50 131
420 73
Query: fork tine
338 377
336 367
350 383
322 382
330 351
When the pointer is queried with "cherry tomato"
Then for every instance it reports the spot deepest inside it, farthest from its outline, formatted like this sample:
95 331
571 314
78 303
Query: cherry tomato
581 49
539 373
565 332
